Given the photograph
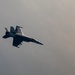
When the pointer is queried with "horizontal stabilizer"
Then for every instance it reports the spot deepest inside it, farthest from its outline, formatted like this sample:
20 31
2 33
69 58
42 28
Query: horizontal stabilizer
6 29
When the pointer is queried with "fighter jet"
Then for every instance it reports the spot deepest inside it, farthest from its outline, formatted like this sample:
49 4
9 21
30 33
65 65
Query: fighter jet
18 36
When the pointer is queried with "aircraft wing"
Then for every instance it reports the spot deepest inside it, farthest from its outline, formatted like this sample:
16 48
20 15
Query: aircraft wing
17 41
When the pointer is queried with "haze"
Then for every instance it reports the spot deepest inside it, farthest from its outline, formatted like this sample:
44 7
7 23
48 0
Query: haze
51 22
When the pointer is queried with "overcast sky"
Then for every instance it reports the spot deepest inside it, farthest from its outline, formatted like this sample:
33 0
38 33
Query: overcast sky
50 21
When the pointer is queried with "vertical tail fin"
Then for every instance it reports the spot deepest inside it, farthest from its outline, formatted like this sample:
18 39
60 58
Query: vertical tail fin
12 30
18 30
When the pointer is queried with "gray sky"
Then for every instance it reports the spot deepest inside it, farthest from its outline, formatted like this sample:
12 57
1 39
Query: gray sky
50 21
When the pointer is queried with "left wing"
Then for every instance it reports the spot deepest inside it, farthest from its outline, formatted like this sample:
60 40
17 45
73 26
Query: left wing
17 41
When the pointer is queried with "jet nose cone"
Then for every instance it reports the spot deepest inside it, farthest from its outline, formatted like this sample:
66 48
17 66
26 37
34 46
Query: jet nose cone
41 44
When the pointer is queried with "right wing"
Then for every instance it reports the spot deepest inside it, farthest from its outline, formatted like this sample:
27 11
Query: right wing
17 41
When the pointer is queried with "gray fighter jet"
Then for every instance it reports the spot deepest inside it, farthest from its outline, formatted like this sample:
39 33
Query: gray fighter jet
18 36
